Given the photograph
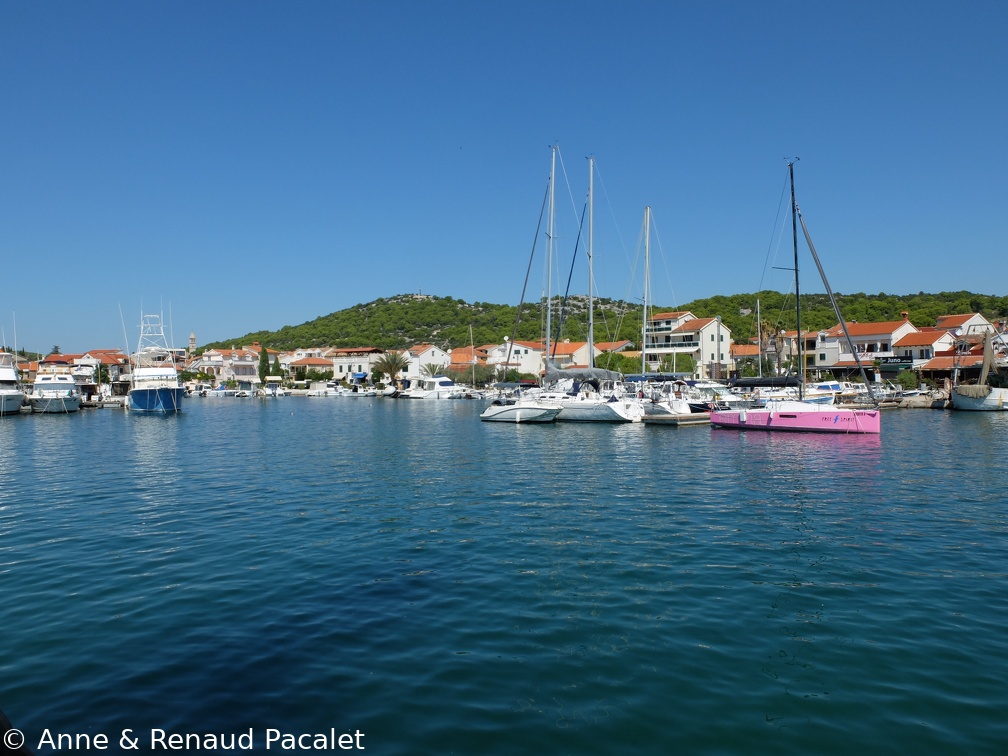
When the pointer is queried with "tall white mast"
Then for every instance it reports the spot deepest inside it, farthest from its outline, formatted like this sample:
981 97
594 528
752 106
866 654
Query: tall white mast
591 280
549 255
647 286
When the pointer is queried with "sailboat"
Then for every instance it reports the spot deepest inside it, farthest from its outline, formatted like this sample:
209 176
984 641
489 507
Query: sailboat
590 394
669 402
990 393
800 415
528 407
155 384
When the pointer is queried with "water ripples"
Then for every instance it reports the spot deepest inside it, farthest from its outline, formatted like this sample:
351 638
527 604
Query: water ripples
443 584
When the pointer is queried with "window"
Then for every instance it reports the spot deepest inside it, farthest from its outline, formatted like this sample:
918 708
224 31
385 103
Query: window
822 356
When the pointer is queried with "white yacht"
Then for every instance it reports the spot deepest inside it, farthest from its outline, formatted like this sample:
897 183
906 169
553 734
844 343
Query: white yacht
11 395
438 387
55 392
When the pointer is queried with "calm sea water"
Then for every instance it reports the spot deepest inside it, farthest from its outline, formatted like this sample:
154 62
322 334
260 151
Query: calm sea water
443 585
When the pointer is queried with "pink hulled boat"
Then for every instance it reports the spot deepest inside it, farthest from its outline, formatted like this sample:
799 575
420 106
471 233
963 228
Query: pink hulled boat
790 415
800 415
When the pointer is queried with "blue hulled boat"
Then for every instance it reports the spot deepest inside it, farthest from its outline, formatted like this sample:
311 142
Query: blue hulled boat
155 385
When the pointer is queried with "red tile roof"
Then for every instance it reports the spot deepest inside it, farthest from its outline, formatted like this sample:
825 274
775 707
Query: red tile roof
868 329
920 338
567 347
612 346
696 324
947 362
953 321
353 351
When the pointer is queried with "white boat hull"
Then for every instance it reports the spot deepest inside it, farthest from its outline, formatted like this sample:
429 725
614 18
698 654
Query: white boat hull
583 409
55 405
520 412
995 401
10 402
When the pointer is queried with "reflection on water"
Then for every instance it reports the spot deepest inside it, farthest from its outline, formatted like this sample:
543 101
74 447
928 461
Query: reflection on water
153 444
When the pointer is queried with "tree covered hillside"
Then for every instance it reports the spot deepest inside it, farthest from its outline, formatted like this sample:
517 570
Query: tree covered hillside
407 319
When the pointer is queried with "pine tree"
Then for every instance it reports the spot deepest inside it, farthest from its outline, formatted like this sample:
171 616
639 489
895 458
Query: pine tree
263 365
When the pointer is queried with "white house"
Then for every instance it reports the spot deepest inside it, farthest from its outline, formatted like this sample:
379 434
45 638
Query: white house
241 365
706 340
526 356
965 325
114 360
873 341
422 355
353 363
287 359
914 349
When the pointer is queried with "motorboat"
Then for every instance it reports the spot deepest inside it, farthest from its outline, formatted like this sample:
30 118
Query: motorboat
273 388
55 392
516 407
436 387
11 395
155 386
668 399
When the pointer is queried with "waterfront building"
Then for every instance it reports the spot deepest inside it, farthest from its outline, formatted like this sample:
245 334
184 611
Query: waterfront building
353 364
707 341
970 323
464 358
287 359
422 355
873 343
526 357
223 365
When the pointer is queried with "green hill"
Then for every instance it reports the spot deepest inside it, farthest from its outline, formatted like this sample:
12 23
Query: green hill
408 319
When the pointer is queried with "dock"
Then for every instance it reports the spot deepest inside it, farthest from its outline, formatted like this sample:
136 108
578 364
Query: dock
116 402
691 418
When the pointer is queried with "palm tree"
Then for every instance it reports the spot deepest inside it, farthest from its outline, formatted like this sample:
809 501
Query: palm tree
391 364
430 370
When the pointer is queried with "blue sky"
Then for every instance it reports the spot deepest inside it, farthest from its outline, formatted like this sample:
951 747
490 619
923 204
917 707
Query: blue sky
249 165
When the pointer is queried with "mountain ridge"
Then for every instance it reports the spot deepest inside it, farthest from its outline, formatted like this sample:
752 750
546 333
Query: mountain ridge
403 320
